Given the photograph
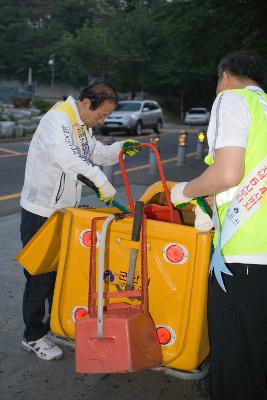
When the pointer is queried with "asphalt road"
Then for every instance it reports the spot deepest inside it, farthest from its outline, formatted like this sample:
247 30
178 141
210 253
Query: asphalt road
13 156
22 375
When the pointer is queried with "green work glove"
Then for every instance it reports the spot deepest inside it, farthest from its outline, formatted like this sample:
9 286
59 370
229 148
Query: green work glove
131 147
203 220
203 205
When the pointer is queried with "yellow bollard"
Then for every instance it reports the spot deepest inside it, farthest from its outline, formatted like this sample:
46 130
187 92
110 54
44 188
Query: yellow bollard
182 147
200 145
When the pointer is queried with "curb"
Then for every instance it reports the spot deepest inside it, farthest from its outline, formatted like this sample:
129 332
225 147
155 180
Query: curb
16 139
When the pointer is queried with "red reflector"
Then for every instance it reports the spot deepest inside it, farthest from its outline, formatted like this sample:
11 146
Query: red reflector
86 238
174 253
79 313
164 335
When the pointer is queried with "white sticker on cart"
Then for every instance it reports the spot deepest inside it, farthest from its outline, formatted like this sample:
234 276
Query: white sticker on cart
175 253
85 238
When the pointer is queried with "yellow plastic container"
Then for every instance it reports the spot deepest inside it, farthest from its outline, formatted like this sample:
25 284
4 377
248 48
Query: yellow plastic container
178 263
41 253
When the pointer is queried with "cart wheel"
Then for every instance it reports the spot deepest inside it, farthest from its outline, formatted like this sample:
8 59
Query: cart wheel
195 375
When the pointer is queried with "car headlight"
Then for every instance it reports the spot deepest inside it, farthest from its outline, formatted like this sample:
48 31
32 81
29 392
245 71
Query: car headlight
126 118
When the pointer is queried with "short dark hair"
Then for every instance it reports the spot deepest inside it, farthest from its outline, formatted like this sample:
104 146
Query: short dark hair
243 64
98 93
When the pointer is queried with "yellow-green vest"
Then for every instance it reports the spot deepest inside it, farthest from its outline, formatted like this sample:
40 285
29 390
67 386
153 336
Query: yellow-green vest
251 237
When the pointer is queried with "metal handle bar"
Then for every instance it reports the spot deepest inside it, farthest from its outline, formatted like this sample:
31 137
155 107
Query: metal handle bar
93 291
91 185
161 173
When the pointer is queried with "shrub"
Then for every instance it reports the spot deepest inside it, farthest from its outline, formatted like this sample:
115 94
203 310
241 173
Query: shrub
42 104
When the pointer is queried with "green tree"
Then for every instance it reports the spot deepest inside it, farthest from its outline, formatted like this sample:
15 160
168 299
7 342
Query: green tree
132 34
161 46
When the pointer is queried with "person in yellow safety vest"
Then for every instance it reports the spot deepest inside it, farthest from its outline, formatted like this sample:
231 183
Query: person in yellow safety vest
237 177
62 147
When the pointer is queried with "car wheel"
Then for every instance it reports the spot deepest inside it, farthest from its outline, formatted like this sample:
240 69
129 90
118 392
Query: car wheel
138 128
158 126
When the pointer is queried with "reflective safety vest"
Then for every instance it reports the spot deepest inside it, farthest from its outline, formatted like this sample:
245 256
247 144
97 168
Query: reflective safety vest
246 204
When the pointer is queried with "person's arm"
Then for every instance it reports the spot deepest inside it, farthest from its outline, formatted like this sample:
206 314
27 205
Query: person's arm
226 172
105 154
228 168
109 154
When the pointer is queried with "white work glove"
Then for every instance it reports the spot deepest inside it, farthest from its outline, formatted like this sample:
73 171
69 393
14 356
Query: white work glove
203 221
106 192
177 195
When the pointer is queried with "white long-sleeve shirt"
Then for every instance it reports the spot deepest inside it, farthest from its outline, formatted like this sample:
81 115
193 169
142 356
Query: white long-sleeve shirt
233 128
54 160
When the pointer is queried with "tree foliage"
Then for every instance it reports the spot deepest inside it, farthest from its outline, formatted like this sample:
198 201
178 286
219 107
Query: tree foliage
161 46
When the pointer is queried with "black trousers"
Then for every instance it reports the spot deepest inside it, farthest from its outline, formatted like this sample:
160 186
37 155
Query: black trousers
237 323
38 288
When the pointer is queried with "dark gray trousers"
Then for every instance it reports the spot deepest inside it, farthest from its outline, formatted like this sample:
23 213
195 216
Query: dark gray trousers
238 334
38 288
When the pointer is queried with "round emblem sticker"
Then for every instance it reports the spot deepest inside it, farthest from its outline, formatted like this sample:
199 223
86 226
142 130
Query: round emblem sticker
175 253
166 335
85 238
78 312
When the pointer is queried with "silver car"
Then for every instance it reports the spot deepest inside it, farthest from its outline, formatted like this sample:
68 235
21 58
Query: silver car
198 115
133 116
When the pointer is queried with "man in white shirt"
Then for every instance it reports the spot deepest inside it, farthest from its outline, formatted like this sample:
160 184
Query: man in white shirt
237 176
62 147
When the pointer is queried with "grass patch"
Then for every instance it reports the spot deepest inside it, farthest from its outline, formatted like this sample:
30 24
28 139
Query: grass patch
171 117
42 104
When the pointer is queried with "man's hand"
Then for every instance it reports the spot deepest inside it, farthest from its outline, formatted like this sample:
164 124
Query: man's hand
106 192
131 147
178 198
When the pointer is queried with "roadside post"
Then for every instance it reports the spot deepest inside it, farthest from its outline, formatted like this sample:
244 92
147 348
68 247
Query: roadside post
200 145
182 148
153 169
109 169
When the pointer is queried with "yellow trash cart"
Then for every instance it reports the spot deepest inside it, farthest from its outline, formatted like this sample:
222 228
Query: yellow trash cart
178 257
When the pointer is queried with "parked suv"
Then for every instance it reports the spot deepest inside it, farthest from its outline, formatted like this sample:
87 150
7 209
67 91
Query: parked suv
133 115
198 115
